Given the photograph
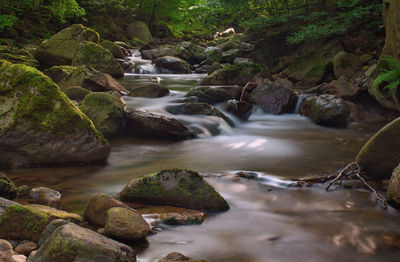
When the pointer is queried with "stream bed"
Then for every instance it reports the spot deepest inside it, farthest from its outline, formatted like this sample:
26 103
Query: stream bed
268 221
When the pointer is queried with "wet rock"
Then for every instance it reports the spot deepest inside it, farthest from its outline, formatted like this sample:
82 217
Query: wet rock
58 73
106 111
176 219
144 123
125 224
53 225
393 191
214 67
115 50
70 243
213 95
18 56
213 54
381 154
242 60
164 50
97 207
172 65
273 98
140 30
4 203
230 55
94 55
241 109
76 93
28 222
40 125
61 47
46 196
326 110
26 248
176 187
248 175
345 64
149 90
178 257
342 88
204 69
7 187
190 52
6 251
19 258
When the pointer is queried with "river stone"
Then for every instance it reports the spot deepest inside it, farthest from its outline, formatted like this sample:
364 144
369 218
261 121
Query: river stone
76 93
164 50
214 67
172 65
46 196
58 73
4 203
178 257
26 248
149 90
213 53
273 98
176 187
241 109
28 222
72 243
125 224
190 52
230 55
213 95
105 110
342 88
345 64
7 187
39 125
115 50
94 55
393 191
381 154
144 123
171 215
6 251
97 207
61 47
53 225
140 30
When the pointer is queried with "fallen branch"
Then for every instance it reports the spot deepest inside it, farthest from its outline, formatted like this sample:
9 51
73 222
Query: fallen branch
244 89
341 173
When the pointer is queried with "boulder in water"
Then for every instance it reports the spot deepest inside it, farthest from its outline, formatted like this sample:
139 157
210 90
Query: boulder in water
116 50
393 191
241 109
46 196
7 187
190 52
213 53
172 65
164 50
178 257
213 95
149 90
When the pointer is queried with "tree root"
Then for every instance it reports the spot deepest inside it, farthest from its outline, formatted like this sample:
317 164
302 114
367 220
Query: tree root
353 170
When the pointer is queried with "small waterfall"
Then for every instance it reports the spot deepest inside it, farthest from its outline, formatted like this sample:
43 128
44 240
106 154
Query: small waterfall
140 65
300 101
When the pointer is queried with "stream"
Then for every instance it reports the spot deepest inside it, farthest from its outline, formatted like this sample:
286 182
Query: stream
268 221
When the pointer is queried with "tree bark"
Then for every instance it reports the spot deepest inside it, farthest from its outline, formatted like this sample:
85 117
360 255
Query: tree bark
391 20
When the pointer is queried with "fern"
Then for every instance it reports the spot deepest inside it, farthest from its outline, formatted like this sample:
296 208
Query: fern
390 76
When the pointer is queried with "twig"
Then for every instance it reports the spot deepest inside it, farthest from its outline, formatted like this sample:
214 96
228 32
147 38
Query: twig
244 90
341 173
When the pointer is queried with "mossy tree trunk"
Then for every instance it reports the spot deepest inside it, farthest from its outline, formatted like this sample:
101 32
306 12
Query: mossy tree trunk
391 20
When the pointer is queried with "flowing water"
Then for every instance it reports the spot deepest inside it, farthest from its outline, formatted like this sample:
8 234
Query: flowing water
268 221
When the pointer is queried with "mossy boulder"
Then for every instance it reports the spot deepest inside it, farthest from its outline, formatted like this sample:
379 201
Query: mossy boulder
230 55
172 65
213 54
140 30
178 257
125 224
345 64
381 154
4 203
151 90
76 93
341 87
39 125
175 187
18 56
213 95
190 52
241 109
114 49
164 50
29 221
7 187
94 55
105 110
70 242
393 191
58 73
236 74
61 47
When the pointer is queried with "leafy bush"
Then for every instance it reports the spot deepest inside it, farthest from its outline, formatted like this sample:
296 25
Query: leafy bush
7 21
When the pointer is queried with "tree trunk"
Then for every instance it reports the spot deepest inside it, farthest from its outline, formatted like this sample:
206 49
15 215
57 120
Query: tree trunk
391 20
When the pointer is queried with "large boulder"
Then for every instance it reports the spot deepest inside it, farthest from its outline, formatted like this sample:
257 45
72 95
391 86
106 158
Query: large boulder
46 196
125 224
116 50
190 52
381 154
150 90
274 98
238 74
94 55
18 56
241 109
70 242
213 53
213 95
29 221
76 93
105 110
345 64
40 125
341 87
230 55
164 50
61 48
4 203
393 191
176 187
140 30
172 65
58 73
326 110
144 123
7 187
178 257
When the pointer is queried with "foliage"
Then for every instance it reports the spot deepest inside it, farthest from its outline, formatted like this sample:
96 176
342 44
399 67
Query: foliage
390 75
7 21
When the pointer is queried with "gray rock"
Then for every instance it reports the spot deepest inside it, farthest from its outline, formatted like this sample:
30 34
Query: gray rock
393 191
172 65
46 196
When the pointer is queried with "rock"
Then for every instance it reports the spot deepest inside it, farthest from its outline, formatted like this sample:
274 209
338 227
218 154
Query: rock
273 98
90 79
342 88
50 228
105 110
6 251
196 109
76 93
247 175
176 187
40 125
235 74
144 123
149 90
175 216
164 50
393 191
4 203
241 109
125 224
58 73
97 207
213 95
214 67
7 187
18 56
176 219
326 110
26 248
190 52
114 49
204 69
69 243
213 53
230 55
381 154
345 64
46 196
94 55
19 258
242 60
61 47
28 222
140 30
178 257
172 65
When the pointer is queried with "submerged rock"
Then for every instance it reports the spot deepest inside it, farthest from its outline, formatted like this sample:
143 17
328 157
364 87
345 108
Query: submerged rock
393 191
176 187
149 90
40 126
174 216
7 187
213 95
172 65
381 154
46 196
178 257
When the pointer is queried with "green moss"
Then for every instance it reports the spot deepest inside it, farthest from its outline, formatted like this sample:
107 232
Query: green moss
61 246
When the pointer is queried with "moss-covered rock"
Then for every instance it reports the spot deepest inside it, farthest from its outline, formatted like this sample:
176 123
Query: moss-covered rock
345 64
20 56
105 110
29 221
381 154
178 257
175 216
149 90
61 47
172 65
76 93
213 53
115 49
341 87
230 55
39 125
236 74
94 55
213 95
58 73
176 187
164 50
140 30
7 187
190 52
241 109
393 191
